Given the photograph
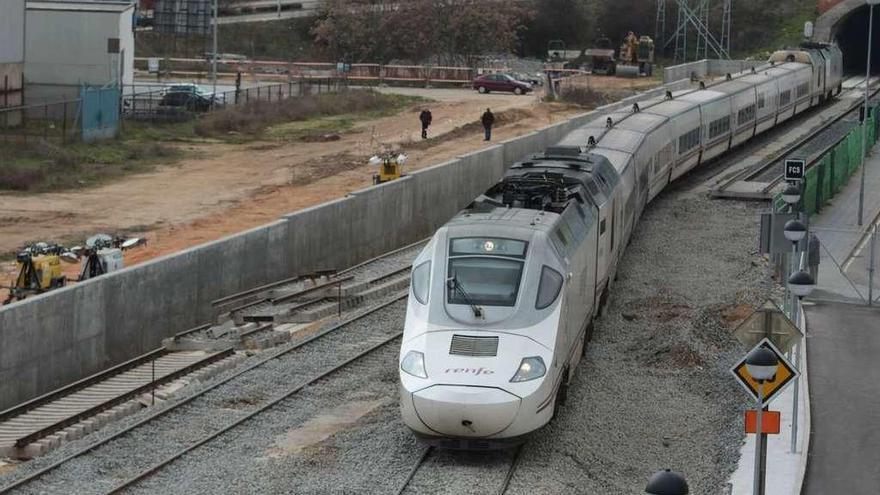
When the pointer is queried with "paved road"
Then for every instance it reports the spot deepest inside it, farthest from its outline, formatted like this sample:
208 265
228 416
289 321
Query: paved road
844 374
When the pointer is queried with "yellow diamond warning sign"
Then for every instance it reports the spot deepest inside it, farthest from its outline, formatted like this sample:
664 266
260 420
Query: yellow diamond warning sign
785 374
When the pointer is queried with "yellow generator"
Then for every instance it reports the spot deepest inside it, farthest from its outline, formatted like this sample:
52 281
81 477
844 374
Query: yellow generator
390 166
39 270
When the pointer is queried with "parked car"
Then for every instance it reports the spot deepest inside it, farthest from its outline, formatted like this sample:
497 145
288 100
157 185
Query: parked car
188 96
536 79
500 82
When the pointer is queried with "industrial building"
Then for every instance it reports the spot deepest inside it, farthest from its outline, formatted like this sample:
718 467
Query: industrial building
11 58
70 44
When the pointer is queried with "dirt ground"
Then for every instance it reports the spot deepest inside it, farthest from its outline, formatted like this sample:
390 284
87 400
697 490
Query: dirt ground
233 187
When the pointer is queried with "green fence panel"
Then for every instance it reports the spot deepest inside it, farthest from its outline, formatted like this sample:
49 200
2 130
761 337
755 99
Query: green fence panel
854 148
840 165
827 185
841 162
811 178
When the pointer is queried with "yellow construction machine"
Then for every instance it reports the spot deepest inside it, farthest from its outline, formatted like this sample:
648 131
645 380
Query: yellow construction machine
390 166
39 270
636 56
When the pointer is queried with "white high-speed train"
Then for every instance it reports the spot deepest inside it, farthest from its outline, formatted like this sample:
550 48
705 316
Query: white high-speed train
503 296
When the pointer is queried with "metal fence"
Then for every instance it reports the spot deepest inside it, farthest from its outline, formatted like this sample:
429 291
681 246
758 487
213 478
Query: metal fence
359 73
154 103
826 175
846 265
62 122
56 122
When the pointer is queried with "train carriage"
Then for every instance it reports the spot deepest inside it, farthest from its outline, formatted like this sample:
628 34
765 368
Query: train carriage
743 108
503 297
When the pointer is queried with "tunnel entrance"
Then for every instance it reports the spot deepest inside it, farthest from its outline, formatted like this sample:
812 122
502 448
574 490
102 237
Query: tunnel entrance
852 37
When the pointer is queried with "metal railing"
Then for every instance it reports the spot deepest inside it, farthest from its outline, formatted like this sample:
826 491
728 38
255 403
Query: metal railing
57 122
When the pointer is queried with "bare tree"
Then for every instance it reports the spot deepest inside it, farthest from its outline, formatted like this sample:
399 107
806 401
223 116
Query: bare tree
447 30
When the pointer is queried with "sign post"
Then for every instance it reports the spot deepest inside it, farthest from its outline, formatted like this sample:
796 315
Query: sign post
763 391
795 168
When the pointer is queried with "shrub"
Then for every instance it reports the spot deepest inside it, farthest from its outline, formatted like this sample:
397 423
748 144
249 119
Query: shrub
20 179
254 117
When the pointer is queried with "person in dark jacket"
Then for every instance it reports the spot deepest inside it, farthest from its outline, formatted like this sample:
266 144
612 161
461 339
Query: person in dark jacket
425 117
488 119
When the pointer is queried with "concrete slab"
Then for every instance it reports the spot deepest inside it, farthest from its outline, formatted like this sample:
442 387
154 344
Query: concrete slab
844 343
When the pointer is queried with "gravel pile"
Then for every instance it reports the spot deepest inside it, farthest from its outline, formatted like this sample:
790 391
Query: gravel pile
105 467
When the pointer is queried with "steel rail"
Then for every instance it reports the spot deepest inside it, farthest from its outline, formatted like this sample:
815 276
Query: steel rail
281 352
191 331
327 285
505 484
383 256
255 290
415 469
80 384
119 399
513 465
284 396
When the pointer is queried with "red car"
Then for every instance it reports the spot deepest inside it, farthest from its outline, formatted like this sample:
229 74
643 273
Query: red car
500 82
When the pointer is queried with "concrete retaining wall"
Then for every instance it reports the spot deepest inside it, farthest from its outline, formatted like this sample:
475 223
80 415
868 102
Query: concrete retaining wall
706 68
53 339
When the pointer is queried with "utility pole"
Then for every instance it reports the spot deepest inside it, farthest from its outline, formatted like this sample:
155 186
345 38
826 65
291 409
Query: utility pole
681 34
725 26
871 4
702 42
660 25
214 58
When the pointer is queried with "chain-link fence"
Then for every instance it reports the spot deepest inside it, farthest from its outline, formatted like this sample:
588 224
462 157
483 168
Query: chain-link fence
61 122
176 102
57 122
843 263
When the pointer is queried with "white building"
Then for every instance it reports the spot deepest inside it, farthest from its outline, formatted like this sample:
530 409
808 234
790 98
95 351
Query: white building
12 14
69 44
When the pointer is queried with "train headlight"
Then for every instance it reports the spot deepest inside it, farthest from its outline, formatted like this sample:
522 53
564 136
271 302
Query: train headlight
529 369
414 364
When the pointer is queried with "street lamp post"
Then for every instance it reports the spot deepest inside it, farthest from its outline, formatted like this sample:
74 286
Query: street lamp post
801 285
214 58
667 482
761 364
791 195
871 4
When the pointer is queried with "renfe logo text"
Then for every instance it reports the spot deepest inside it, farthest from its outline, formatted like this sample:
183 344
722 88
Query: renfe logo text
475 371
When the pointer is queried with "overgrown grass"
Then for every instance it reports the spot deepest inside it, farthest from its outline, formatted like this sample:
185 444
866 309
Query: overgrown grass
42 166
296 118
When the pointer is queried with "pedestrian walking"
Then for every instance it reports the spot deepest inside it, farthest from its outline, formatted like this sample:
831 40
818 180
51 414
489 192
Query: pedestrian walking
813 248
425 117
488 119
237 85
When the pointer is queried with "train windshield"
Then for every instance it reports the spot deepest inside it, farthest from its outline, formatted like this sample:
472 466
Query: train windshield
485 271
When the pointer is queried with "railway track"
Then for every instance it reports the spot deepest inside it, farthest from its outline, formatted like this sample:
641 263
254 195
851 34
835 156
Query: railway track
422 461
43 423
351 339
758 180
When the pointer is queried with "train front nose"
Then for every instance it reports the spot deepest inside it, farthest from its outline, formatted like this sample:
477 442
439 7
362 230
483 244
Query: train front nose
466 411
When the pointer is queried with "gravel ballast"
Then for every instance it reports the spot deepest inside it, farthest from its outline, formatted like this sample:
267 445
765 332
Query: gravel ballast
122 458
653 392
